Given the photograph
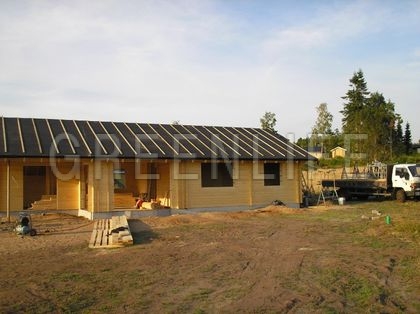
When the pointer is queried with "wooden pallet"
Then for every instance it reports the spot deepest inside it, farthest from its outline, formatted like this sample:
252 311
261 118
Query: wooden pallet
111 233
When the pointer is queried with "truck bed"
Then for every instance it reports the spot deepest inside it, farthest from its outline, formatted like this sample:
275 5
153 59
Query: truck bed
368 184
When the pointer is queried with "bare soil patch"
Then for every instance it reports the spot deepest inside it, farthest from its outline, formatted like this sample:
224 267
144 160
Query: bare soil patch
276 259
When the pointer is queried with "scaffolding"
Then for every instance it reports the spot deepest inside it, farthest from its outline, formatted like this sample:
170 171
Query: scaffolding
328 193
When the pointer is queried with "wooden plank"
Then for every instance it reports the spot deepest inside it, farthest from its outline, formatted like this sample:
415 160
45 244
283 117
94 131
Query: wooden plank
137 138
124 138
93 238
127 240
82 137
188 140
161 137
37 136
219 140
52 136
150 138
176 139
111 138
103 238
210 141
237 136
22 143
253 141
68 137
4 135
202 143
96 137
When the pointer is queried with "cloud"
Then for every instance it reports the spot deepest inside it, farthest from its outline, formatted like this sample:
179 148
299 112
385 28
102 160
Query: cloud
328 26
193 61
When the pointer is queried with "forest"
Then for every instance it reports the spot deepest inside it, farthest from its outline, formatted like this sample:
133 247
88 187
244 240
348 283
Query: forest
371 128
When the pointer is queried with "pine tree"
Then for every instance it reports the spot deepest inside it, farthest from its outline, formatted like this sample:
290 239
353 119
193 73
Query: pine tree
355 98
398 138
372 115
407 139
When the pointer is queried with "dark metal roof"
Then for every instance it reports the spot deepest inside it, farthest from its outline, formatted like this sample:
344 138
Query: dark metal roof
29 137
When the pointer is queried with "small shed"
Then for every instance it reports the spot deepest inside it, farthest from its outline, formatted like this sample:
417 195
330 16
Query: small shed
338 152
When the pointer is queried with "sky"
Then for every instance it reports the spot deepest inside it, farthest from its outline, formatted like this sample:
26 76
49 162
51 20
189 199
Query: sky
203 62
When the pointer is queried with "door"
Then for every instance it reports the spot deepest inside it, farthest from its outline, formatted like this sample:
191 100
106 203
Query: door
401 178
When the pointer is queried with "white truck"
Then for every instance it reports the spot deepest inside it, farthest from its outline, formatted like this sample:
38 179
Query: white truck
400 181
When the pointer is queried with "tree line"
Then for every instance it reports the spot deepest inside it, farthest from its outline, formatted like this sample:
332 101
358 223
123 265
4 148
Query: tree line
371 128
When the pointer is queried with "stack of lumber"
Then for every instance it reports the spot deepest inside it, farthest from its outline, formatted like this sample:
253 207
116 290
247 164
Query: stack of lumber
111 233
120 231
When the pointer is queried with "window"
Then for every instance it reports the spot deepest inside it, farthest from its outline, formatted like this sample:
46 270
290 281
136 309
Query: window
119 179
216 175
415 170
271 174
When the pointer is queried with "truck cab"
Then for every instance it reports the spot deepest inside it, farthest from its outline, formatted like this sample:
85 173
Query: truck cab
406 181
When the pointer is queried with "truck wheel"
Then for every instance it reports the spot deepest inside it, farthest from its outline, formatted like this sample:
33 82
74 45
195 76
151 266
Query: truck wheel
400 196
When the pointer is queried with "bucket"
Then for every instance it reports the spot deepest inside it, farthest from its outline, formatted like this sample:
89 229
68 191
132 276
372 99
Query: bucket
341 200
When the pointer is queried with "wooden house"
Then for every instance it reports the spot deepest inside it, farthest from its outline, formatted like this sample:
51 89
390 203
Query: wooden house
93 167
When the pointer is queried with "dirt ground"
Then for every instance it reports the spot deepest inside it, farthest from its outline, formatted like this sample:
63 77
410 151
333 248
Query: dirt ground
333 259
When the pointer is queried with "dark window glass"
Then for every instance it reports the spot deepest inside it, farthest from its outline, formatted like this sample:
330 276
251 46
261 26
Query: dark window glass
216 175
271 174
119 179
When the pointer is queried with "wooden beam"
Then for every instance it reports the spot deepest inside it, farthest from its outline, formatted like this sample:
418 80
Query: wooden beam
202 143
188 140
37 136
150 138
279 139
217 136
82 137
252 139
124 138
177 140
110 137
67 136
210 140
4 134
8 190
96 137
22 144
52 136
137 138
253 149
